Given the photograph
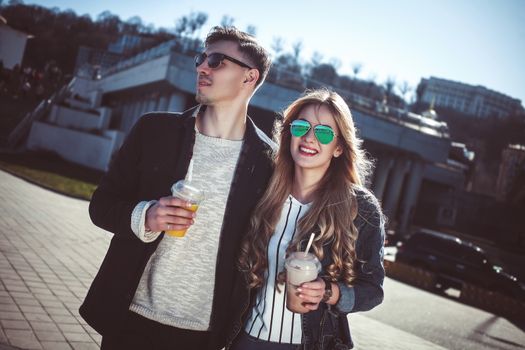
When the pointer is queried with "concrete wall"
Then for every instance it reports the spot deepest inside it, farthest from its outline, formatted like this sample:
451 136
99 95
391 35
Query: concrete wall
401 138
142 74
90 150
78 119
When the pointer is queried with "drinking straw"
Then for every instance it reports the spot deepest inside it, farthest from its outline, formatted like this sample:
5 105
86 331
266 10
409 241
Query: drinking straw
309 244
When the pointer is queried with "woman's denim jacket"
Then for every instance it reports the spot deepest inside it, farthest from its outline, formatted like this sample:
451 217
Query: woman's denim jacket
327 327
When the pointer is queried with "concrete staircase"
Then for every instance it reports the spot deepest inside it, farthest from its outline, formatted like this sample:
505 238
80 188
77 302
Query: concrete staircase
77 127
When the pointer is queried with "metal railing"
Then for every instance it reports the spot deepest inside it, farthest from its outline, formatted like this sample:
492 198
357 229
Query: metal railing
22 129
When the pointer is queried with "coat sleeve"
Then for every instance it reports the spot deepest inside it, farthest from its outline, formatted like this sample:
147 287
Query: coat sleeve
366 291
116 196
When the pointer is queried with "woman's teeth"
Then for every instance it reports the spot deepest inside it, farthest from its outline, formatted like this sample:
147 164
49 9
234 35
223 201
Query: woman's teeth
307 150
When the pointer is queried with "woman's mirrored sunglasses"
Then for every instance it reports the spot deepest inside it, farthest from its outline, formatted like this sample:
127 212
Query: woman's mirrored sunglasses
323 133
215 59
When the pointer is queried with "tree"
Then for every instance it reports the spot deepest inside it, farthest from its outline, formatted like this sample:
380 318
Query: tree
133 25
297 48
356 68
316 59
110 23
288 62
389 84
324 72
227 21
251 29
187 25
277 45
404 89
336 63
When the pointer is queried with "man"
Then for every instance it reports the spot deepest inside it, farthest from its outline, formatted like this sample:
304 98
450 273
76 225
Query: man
155 291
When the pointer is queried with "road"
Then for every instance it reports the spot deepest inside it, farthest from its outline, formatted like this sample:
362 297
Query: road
445 321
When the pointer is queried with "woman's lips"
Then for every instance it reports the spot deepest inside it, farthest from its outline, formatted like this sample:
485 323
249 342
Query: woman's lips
307 151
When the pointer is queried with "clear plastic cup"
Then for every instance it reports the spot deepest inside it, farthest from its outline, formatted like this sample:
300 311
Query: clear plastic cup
300 267
185 190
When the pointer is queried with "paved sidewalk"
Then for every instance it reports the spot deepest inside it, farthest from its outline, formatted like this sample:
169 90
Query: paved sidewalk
50 252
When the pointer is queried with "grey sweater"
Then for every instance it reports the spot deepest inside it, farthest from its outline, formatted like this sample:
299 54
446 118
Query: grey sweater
177 285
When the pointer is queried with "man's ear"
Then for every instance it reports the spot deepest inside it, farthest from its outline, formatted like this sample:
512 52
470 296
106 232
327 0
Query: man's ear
252 76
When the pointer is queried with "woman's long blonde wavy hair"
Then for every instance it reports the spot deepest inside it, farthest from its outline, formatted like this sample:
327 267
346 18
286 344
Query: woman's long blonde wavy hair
333 209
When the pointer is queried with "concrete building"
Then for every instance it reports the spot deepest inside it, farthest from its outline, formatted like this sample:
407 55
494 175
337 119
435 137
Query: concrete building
512 163
476 101
91 62
12 45
89 124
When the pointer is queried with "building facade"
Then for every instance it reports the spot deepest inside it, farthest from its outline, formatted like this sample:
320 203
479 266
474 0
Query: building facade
476 101
512 163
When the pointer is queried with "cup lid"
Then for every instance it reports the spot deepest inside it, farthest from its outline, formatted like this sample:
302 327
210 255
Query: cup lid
303 261
186 190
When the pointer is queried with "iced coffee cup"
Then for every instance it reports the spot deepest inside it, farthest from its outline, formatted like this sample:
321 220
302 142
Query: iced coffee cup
185 190
300 267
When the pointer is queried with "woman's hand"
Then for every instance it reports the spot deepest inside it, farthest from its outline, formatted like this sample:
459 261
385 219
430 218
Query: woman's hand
312 293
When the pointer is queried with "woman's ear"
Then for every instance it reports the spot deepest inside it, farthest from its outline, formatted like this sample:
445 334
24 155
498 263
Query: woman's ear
338 151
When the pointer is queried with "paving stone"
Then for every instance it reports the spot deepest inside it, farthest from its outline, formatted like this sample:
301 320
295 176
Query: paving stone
84 346
64 319
52 304
57 311
23 339
6 299
44 326
78 337
53 345
9 308
32 309
11 316
27 301
37 317
49 336
3 338
15 324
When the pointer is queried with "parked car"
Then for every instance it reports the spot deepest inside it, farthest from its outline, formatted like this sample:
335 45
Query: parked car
456 261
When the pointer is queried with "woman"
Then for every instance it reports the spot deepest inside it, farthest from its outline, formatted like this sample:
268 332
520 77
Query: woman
316 187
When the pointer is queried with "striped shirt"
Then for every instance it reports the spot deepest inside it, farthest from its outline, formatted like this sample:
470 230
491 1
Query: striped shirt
270 320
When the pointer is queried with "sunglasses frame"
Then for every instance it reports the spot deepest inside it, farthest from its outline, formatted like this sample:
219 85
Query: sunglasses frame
316 128
203 56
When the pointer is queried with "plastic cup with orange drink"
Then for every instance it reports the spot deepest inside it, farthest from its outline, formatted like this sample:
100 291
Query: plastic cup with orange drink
185 190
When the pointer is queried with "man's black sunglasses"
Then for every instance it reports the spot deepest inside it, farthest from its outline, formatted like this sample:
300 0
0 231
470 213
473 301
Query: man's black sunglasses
215 59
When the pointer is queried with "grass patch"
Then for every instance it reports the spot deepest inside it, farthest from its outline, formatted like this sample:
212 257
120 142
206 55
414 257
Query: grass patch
52 172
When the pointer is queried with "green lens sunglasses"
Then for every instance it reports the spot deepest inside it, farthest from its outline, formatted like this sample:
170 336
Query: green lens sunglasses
323 133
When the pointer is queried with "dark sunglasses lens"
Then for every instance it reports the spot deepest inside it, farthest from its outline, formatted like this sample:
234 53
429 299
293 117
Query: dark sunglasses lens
324 134
299 128
199 59
214 60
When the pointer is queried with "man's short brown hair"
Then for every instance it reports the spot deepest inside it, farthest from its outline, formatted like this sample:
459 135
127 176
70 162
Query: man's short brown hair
247 44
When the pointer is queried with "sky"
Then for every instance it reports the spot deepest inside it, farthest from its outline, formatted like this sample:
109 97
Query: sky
478 42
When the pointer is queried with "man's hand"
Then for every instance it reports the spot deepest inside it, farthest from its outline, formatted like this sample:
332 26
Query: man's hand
169 213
